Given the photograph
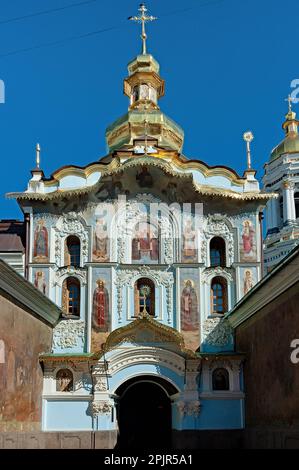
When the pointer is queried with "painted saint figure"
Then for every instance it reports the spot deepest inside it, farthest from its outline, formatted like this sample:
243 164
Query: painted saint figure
248 281
40 251
189 308
100 249
189 242
39 281
248 238
145 244
100 310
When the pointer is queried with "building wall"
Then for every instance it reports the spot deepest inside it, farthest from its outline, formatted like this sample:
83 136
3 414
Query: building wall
271 379
22 338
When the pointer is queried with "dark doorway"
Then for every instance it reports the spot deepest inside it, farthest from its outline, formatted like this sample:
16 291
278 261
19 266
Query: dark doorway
144 416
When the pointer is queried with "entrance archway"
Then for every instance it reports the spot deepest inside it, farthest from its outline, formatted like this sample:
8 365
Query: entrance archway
144 413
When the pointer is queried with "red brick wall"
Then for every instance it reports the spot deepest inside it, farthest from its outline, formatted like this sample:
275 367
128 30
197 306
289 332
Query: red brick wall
24 338
271 379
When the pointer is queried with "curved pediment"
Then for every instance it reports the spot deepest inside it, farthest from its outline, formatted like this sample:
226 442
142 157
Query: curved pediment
147 331
216 181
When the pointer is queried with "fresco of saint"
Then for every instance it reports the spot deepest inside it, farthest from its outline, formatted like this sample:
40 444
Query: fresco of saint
189 252
248 250
189 308
100 249
100 310
248 281
39 281
64 381
145 244
40 250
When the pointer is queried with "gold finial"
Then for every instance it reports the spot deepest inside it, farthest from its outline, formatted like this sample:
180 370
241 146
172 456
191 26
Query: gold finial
248 137
37 155
143 18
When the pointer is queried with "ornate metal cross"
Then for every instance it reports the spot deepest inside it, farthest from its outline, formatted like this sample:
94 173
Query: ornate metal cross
143 18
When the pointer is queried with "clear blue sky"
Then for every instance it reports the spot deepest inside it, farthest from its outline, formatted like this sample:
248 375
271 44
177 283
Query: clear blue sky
227 64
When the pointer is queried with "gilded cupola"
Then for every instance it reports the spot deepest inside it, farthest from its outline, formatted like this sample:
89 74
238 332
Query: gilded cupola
144 87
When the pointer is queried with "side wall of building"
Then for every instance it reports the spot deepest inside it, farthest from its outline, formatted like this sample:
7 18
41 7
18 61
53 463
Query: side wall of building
22 338
271 379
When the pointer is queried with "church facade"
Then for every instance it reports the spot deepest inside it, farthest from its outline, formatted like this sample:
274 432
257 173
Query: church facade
145 251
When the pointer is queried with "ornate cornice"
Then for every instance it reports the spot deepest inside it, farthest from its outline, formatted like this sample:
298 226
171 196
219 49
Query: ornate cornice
177 168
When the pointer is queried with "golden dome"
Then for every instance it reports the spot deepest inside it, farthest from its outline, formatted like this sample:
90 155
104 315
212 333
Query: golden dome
290 144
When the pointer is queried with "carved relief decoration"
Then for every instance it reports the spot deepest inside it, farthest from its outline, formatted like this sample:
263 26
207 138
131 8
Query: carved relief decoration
61 273
68 334
208 273
101 407
217 332
191 408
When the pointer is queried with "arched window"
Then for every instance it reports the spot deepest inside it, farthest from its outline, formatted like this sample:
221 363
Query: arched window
72 251
218 295
135 93
64 381
220 379
144 291
297 204
217 252
71 296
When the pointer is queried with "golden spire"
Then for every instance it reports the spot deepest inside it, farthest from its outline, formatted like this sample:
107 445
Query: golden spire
248 137
143 18
37 156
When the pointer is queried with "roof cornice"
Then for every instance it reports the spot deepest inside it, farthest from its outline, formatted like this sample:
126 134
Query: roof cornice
23 292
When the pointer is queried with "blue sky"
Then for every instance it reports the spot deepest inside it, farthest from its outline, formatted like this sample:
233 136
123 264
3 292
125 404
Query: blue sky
228 65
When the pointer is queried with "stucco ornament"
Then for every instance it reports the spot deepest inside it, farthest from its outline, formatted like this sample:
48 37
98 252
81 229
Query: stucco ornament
193 408
70 271
101 407
217 332
71 224
218 226
100 384
209 273
181 406
68 334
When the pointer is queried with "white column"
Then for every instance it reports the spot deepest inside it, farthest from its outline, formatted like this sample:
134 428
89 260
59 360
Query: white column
289 212
275 212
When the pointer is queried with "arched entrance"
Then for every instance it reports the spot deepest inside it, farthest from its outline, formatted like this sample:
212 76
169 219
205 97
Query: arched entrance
144 413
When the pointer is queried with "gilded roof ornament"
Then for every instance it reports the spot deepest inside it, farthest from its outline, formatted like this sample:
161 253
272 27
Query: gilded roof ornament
143 18
248 138
37 156
291 114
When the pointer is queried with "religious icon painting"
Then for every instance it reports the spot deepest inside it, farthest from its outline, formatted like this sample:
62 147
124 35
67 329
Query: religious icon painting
41 243
100 251
189 308
100 307
40 280
145 243
189 242
247 241
248 279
